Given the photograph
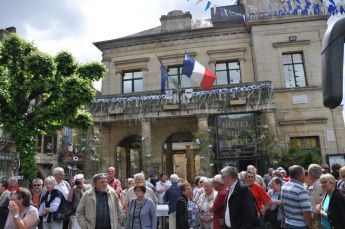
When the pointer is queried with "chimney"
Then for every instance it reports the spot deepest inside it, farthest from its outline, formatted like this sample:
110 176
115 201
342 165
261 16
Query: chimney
176 20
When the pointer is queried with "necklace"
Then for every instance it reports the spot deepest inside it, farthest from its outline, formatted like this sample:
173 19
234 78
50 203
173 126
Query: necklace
140 202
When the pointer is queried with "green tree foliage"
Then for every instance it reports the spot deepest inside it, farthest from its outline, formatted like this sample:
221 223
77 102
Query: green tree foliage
40 94
297 156
268 144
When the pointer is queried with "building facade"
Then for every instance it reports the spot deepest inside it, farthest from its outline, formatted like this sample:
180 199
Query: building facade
268 85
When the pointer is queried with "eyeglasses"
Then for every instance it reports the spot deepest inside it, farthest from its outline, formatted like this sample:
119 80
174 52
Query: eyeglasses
249 177
36 185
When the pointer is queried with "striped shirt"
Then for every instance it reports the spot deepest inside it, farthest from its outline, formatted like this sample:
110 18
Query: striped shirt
296 200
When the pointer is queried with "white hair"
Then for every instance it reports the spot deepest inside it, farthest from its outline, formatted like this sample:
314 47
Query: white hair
208 181
50 180
174 178
58 170
203 179
251 168
137 175
218 179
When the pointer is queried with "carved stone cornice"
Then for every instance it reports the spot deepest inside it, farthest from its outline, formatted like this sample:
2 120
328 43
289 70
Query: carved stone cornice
303 121
291 43
226 54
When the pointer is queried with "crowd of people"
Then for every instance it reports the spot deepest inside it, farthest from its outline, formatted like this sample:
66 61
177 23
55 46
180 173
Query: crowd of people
297 198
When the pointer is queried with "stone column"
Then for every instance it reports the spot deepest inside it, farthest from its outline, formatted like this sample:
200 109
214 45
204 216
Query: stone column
106 80
271 121
204 151
190 164
105 149
147 154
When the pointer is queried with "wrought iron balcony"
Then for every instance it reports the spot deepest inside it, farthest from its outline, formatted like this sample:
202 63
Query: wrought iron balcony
220 99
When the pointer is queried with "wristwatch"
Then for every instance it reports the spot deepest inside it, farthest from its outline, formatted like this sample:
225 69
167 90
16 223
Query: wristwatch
16 216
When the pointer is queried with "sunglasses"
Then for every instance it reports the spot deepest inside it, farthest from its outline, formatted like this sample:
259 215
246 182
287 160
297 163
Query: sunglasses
36 185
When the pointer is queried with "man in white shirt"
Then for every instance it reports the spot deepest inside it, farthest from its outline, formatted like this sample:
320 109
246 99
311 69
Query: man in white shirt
139 179
63 186
240 212
161 187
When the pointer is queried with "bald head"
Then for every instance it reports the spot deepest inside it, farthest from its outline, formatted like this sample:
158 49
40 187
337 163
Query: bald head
111 173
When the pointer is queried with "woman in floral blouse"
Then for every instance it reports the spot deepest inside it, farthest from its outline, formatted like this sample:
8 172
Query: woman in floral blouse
204 203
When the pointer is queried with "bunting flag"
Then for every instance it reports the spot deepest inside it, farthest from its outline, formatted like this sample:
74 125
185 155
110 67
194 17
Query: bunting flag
198 73
164 75
208 5
286 8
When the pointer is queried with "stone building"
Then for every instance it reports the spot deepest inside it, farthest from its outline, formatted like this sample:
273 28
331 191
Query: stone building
268 84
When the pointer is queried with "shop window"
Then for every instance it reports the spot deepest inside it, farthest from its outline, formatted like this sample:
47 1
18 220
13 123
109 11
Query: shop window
236 135
132 82
294 70
228 72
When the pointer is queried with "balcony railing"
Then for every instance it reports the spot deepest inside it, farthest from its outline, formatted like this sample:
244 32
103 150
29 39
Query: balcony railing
256 95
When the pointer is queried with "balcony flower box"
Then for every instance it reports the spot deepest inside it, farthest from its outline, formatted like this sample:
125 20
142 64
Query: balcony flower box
170 107
238 102
116 111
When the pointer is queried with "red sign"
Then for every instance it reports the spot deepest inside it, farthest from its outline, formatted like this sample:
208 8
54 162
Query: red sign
15 164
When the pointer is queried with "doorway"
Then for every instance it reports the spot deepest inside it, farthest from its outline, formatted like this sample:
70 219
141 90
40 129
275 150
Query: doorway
129 156
180 165
179 156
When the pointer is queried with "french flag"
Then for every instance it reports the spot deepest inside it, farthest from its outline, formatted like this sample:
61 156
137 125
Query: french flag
198 73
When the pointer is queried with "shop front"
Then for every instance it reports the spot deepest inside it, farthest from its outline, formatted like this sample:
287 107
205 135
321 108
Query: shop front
236 136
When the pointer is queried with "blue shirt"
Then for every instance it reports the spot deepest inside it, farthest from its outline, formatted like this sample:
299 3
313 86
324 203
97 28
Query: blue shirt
276 196
324 221
296 200
171 196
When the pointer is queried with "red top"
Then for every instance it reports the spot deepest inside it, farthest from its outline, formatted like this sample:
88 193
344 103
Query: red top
260 195
115 184
13 188
218 205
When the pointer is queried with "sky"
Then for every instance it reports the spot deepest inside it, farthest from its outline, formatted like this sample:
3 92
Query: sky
73 25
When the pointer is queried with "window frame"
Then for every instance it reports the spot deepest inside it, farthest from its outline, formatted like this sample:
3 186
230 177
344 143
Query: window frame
179 78
317 149
132 80
293 64
228 70
43 141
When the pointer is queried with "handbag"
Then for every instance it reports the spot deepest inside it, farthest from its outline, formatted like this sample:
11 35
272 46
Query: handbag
259 222
64 211
271 215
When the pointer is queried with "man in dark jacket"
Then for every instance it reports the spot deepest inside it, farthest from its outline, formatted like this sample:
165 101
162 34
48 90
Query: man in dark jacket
240 210
4 200
182 215
170 197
